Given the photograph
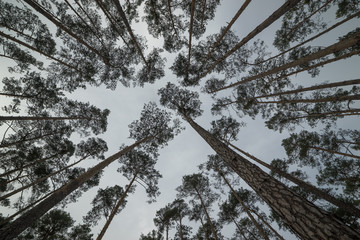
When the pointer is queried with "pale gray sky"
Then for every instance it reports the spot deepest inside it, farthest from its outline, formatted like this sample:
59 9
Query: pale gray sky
188 150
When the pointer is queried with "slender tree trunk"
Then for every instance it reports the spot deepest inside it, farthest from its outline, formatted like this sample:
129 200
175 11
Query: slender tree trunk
128 27
314 37
267 224
43 12
303 217
40 180
341 113
116 208
171 17
206 233
261 230
190 33
239 228
328 99
289 4
233 20
36 50
16 227
304 185
16 95
24 118
341 45
180 230
335 152
167 232
24 140
317 87
207 215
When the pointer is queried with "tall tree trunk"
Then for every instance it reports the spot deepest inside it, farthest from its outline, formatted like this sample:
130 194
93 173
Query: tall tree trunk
38 51
16 227
207 215
24 118
43 12
261 230
128 27
206 233
316 87
327 99
190 33
335 152
237 15
341 45
25 140
314 37
239 228
340 113
116 207
180 230
40 179
289 4
16 95
303 217
304 185
267 224
171 17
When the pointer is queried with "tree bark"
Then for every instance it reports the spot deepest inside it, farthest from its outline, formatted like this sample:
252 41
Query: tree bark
303 217
317 87
116 208
237 15
16 227
261 230
276 15
341 45
304 185
207 215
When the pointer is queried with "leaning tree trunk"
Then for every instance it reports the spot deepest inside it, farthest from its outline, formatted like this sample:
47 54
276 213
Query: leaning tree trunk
116 208
207 215
289 4
16 227
267 224
261 230
304 185
303 217
30 118
238 227
341 45
26 140
237 15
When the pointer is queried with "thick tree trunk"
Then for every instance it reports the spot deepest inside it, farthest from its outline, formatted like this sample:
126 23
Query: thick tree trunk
314 37
36 50
16 227
128 27
267 224
341 45
303 217
43 12
207 215
261 230
289 4
116 208
237 15
304 185
317 87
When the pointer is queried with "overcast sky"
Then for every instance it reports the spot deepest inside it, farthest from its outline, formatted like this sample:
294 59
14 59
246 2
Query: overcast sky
188 150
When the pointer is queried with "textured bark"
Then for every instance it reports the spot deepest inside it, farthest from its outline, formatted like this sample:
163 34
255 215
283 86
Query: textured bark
341 45
43 12
317 87
116 208
237 15
304 185
128 28
314 37
261 230
276 15
303 217
36 50
16 227
207 215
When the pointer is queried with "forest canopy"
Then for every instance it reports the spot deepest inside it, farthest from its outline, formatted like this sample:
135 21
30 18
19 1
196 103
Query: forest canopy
179 119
